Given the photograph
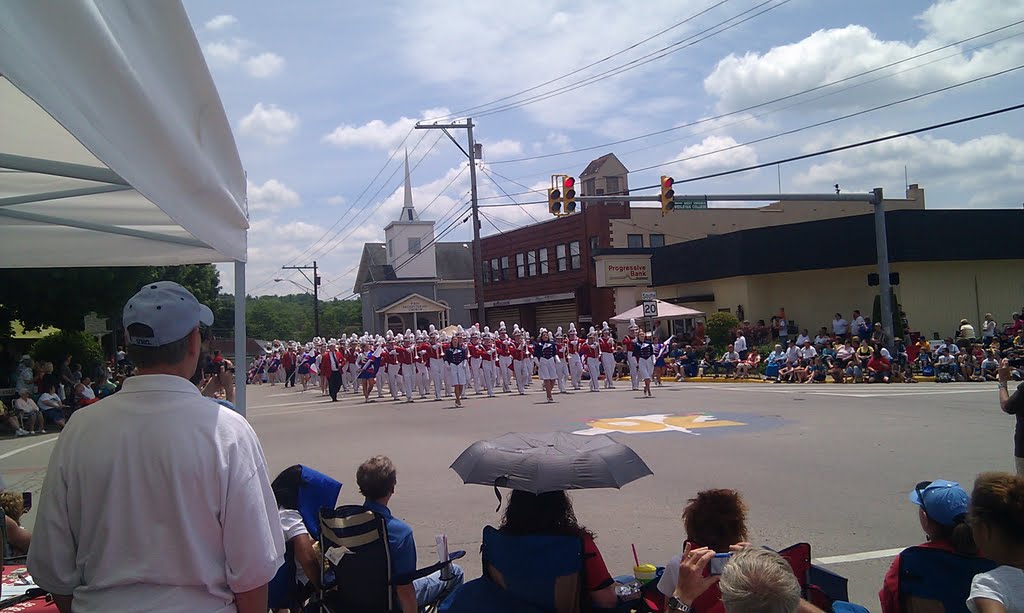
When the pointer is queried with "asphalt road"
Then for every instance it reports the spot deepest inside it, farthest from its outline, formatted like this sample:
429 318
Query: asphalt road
829 464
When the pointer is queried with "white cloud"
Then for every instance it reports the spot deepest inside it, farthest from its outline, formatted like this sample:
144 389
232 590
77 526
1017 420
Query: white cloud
225 53
709 155
377 134
264 65
740 81
988 168
501 149
269 123
337 200
272 196
220 22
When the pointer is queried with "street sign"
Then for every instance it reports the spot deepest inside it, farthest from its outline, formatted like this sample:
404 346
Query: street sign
94 325
650 308
691 203
648 296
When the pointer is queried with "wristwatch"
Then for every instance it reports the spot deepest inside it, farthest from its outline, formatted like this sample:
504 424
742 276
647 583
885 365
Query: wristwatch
674 604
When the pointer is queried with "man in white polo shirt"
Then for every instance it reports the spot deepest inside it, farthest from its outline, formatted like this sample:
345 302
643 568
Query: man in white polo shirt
156 498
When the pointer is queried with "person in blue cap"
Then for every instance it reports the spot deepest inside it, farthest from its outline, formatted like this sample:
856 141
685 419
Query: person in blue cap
942 511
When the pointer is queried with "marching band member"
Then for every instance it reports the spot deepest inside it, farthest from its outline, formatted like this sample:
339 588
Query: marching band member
643 350
457 360
488 355
422 364
435 361
607 356
519 359
572 358
393 367
562 368
474 349
533 361
591 352
504 348
627 342
368 362
332 364
407 358
547 354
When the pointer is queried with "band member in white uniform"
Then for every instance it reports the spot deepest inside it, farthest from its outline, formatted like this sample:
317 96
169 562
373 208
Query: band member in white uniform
573 362
473 350
643 349
546 353
562 368
607 356
422 364
435 363
393 368
520 359
457 360
488 358
627 342
591 353
504 347
407 358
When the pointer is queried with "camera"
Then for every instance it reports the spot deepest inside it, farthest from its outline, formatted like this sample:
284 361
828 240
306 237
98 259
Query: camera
718 563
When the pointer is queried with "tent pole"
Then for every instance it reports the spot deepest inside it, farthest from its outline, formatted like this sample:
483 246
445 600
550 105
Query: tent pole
241 365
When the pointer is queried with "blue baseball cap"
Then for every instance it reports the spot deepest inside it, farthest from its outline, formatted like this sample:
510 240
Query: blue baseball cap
943 501
170 311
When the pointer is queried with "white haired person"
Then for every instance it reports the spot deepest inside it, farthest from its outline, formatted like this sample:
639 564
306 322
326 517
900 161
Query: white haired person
456 357
607 344
643 351
546 353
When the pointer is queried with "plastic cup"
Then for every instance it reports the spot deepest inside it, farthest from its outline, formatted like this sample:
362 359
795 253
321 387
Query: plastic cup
645 573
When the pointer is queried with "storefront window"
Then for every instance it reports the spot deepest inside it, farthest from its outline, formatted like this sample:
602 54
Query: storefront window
657 240
635 241
504 268
531 263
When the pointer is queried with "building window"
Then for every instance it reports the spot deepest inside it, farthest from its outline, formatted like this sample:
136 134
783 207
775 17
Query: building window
574 255
495 271
531 263
520 266
657 240
504 268
595 242
542 255
635 241
561 263
611 184
414 245
486 271
589 186
442 317
410 214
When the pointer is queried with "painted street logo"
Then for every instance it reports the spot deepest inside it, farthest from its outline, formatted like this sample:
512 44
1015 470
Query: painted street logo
643 424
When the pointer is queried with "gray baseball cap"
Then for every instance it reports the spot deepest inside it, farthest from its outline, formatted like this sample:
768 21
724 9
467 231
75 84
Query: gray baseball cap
169 309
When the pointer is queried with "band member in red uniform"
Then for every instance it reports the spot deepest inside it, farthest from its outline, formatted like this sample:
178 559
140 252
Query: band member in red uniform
520 359
393 367
572 357
435 360
488 357
607 344
562 368
332 363
475 361
627 343
504 348
590 351
407 358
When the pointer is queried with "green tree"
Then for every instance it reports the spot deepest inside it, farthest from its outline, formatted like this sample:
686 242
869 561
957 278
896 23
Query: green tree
719 327
83 349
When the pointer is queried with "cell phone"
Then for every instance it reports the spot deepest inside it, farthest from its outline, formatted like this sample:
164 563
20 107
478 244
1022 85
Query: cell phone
26 501
718 563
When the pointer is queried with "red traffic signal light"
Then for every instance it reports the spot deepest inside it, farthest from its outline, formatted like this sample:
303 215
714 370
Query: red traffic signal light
668 195
569 183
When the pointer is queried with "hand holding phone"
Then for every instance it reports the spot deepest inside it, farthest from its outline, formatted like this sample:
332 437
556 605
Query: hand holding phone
717 563
26 501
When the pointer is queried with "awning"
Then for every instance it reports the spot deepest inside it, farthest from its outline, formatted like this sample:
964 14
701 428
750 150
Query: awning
114 146
666 310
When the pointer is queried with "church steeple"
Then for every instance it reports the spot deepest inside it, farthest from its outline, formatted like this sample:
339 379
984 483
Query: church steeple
408 210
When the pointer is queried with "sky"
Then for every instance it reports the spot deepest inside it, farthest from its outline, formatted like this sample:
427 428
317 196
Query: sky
323 96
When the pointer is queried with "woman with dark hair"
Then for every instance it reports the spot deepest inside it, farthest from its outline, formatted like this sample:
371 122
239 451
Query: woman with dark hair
942 512
551 514
716 519
286 488
997 521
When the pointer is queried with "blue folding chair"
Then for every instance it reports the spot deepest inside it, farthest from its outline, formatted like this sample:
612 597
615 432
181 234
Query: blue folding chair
524 574
937 580
316 491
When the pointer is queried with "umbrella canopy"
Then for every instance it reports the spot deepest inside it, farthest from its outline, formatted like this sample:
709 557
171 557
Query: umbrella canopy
550 462
666 310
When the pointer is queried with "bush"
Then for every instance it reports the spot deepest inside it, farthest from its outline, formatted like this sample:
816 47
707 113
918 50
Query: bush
756 335
83 348
719 327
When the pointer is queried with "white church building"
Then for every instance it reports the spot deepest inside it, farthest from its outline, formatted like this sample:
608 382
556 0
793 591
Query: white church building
411 280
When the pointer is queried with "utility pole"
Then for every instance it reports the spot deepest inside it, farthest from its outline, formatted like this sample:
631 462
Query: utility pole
316 293
478 270
882 250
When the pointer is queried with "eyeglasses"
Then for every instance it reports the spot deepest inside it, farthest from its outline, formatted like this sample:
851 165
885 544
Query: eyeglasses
919 489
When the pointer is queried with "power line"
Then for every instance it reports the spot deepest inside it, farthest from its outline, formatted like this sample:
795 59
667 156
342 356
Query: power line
523 209
786 97
466 111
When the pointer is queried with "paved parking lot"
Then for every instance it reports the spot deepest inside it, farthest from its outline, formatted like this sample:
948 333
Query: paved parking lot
827 464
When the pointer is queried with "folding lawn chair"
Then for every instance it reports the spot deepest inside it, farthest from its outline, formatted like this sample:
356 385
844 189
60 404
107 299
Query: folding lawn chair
934 581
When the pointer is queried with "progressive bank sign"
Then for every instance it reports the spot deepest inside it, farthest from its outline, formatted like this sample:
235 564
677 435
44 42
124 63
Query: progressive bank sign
624 272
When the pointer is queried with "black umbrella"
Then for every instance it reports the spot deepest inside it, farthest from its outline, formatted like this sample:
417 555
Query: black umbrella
549 462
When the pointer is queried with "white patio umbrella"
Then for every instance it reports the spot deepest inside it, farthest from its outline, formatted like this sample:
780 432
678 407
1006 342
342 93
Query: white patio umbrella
114 146
666 310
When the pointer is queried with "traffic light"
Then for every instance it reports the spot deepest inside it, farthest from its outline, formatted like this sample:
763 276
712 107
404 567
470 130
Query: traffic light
668 195
555 202
569 199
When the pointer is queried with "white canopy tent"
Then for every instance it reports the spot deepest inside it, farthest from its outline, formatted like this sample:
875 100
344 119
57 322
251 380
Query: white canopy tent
666 310
114 146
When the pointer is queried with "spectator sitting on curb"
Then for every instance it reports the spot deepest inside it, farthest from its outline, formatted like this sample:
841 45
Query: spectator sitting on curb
18 539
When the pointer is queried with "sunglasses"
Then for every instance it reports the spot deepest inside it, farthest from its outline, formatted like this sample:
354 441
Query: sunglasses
919 489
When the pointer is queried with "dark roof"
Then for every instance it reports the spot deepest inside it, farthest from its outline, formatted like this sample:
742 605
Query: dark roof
454 263
595 165
913 236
